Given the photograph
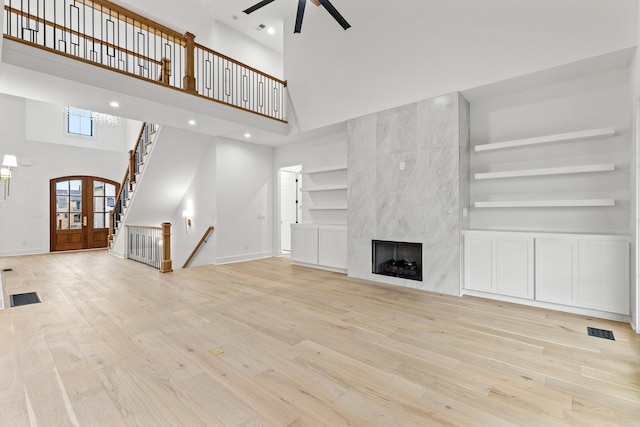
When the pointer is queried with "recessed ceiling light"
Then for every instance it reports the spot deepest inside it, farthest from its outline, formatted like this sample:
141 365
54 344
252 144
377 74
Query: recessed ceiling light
114 104
192 122
247 135
271 30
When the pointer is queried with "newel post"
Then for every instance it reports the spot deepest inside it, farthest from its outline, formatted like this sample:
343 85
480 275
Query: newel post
166 70
132 169
189 81
165 264
111 225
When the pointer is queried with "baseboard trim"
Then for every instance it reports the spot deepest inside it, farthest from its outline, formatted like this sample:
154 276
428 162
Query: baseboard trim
550 306
39 251
320 267
243 258
117 254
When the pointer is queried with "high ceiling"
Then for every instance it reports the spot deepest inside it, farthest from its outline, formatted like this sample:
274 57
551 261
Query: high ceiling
197 15
396 55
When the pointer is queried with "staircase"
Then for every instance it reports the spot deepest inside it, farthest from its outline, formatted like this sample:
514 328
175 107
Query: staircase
161 169
137 159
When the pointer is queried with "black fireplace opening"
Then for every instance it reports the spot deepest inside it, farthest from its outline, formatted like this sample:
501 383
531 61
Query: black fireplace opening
397 259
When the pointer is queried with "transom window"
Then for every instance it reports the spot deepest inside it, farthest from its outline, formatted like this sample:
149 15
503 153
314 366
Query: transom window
79 121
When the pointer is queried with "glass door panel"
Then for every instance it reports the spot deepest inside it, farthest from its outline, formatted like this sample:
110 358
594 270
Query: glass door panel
79 212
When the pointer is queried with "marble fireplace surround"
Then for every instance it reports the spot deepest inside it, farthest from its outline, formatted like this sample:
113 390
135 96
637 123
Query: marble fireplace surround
408 181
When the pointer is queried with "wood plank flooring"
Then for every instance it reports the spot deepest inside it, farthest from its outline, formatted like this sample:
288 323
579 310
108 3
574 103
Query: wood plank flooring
115 343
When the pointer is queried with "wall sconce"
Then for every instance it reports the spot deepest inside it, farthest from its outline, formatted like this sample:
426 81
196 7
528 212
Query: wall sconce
187 219
9 161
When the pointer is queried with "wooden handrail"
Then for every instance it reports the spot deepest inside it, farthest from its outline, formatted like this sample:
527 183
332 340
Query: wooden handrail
248 67
148 227
124 180
79 34
197 248
185 82
130 17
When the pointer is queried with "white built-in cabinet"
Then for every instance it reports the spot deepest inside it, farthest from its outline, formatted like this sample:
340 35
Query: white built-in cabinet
332 246
321 246
321 241
501 265
573 270
304 243
584 272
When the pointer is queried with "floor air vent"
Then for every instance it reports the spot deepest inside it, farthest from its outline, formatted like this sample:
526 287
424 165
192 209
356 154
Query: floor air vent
24 299
601 333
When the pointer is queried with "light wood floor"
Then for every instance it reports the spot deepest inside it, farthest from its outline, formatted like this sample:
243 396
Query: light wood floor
115 343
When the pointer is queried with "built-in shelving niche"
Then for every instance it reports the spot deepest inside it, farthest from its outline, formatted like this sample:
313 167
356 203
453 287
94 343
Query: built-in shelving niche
599 133
325 195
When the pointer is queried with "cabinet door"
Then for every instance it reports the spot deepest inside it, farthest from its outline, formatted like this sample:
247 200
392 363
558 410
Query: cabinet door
478 263
304 244
556 270
603 282
332 248
514 266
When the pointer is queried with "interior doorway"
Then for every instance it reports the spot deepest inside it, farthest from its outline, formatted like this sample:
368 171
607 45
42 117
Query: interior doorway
289 204
79 213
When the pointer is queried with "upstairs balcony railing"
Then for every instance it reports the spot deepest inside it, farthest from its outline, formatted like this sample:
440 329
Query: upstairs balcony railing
104 34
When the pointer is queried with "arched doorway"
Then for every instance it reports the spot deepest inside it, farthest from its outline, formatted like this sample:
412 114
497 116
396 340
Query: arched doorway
80 207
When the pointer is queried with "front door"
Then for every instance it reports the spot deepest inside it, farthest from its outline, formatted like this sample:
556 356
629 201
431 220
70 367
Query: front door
80 207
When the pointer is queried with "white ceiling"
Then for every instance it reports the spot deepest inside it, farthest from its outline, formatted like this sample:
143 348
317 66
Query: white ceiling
196 15
401 52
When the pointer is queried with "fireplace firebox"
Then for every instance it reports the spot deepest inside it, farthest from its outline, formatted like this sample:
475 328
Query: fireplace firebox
397 259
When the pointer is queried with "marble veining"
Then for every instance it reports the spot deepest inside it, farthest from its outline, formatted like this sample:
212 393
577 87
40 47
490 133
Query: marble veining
418 202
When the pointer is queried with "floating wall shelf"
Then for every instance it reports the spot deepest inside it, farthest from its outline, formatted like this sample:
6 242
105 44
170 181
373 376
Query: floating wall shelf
561 137
327 169
546 171
327 208
546 203
325 188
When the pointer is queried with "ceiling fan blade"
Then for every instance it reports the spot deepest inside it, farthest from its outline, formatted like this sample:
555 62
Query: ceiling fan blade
334 12
300 15
257 6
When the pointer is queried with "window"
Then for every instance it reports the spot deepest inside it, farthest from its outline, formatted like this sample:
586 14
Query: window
79 121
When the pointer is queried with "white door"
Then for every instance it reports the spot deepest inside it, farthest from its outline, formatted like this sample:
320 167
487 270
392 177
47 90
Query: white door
289 202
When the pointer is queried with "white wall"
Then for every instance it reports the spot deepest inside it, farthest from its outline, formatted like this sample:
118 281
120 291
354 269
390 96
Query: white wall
394 55
590 102
47 123
24 217
635 108
233 44
245 182
166 175
133 131
325 151
201 199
